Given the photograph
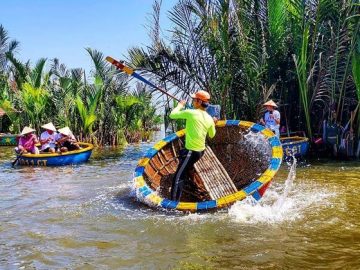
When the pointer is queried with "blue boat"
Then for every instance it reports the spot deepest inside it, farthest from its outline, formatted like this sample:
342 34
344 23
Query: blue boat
295 146
8 139
58 159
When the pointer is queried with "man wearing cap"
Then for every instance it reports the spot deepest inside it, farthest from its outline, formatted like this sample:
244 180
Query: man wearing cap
48 138
271 118
198 124
27 142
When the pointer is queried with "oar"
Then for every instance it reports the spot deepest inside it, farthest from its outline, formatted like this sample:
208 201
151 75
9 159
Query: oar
131 72
213 110
17 158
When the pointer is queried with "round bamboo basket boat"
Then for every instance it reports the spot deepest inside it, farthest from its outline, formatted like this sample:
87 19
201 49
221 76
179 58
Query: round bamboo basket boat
249 153
58 159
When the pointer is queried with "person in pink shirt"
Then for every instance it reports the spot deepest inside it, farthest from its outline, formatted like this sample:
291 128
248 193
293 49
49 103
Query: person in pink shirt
27 142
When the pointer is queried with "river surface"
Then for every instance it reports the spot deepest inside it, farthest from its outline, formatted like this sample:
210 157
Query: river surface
84 217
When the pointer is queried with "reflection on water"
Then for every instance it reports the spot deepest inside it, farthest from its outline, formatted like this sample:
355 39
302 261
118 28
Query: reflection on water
84 217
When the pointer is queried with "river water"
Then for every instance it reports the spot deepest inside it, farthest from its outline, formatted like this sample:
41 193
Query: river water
84 217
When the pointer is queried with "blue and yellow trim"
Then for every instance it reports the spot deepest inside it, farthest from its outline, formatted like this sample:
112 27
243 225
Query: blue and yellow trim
58 159
8 140
152 198
295 146
85 147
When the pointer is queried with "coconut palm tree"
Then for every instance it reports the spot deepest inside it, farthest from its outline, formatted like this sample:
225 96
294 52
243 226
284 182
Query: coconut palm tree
6 46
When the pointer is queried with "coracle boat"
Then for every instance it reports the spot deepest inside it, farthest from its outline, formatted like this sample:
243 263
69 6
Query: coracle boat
295 146
8 139
245 155
58 159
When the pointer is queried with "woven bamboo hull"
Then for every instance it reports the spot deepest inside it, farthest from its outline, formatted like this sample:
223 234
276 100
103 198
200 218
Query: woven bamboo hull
249 154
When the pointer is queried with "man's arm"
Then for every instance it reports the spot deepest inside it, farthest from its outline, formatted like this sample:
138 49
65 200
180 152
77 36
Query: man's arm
177 113
212 131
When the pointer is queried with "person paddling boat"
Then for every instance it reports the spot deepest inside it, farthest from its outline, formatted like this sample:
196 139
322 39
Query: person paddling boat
199 124
27 142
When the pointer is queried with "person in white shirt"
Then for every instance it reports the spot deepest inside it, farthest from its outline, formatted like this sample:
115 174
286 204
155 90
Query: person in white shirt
271 118
48 138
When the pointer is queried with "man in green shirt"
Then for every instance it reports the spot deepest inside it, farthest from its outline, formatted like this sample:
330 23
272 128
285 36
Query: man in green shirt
198 124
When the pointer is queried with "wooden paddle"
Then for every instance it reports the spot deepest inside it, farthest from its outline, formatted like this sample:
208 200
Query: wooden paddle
213 110
17 158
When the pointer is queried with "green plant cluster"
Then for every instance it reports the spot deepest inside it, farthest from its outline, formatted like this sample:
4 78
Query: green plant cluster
303 54
104 108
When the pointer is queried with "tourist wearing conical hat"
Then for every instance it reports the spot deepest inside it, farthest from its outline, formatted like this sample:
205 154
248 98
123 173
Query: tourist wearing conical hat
271 117
48 138
66 140
199 124
27 141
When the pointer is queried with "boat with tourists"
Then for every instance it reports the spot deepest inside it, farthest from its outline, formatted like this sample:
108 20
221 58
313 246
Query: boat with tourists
7 139
57 159
240 161
295 146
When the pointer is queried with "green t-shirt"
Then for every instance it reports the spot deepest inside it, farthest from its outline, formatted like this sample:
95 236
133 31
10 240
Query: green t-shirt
198 124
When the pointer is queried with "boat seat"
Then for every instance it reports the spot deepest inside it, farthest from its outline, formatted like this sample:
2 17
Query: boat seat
213 175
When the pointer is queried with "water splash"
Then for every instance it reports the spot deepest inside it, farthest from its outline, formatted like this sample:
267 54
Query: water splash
279 204
255 140
285 203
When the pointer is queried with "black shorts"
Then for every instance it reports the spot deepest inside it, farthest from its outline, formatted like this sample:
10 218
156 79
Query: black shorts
46 150
69 145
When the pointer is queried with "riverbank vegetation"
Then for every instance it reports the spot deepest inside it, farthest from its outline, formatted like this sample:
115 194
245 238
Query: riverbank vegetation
104 108
303 54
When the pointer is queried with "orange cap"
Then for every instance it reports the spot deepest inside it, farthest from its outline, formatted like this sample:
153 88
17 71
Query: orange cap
202 95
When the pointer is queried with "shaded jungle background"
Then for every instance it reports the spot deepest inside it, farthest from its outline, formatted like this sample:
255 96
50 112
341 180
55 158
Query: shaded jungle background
303 54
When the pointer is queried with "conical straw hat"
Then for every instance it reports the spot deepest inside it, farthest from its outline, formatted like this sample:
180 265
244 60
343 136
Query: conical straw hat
270 103
49 126
27 130
65 130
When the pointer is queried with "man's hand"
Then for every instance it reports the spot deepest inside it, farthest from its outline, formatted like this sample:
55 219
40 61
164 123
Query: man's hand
182 102
215 119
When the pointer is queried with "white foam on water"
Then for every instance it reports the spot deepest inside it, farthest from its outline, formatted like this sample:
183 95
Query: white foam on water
282 203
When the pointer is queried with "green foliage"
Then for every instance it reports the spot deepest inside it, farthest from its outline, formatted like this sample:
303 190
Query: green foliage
33 104
8 107
87 115
303 54
356 71
244 52
301 64
98 108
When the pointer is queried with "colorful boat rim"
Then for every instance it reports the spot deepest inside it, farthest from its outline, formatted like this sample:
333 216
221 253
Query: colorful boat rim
295 146
256 188
58 159
8 140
